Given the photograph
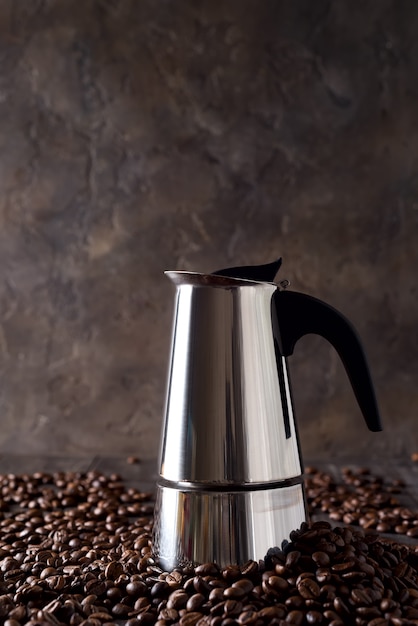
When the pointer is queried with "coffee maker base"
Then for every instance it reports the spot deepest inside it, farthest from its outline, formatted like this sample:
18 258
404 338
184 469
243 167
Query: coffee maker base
195 526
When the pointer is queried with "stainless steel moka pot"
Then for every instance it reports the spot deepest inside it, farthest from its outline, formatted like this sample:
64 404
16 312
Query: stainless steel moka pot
230 474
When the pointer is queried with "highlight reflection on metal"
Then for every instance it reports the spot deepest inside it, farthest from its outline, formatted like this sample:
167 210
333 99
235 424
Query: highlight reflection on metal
229 430
224 419
200 527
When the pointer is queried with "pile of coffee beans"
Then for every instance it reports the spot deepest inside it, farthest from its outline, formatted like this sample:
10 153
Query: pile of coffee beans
75 549
358 497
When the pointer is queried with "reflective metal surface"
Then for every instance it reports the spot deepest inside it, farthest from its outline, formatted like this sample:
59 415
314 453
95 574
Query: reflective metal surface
198 527
229 455
229 415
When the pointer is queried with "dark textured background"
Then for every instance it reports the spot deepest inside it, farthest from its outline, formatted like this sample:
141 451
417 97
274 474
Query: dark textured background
138 136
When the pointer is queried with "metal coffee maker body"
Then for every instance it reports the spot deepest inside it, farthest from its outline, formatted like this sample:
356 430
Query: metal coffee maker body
231 476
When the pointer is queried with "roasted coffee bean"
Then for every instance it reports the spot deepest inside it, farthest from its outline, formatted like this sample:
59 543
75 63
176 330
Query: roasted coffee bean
396 620
235 593
101 616
195 602
232 572
295 617
245 584
207 569
216 595
367 569
168 615
323 575
143 619
6 605
268 613
121 610
95 586
232 607
139 588
177 599
295 602
360 597
328 592
343 567
277 583
308 588
292 558
201 585
174 579
18 613
340 606
190 619
114 594
249 569
217 609
313 605
248 617
113 570
368 612
159 590
314 617
321 558
206 620
142 604
188 585
331 615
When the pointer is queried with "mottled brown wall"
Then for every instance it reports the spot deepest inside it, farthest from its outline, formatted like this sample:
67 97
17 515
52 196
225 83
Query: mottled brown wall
138 136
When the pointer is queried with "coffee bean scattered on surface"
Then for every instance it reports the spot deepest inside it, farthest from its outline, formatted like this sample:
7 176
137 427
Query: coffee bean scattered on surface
75 548
362 499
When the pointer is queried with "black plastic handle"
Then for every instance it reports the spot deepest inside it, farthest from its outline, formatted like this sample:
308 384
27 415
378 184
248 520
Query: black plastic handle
299 314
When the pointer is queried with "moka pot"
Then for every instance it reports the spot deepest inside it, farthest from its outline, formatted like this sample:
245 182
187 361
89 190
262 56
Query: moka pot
230 473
